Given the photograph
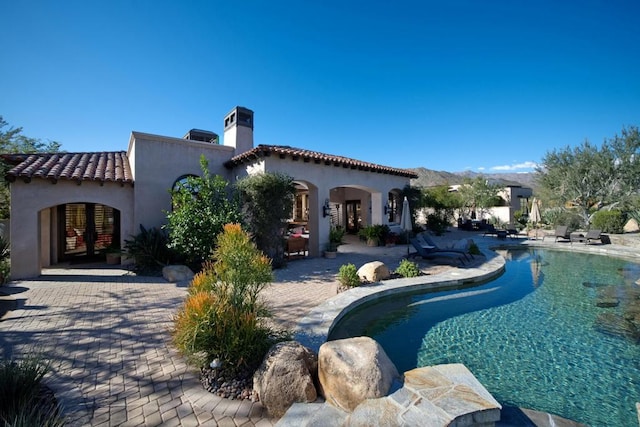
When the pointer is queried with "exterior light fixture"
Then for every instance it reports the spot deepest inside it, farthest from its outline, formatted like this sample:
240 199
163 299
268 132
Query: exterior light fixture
326 209
388 208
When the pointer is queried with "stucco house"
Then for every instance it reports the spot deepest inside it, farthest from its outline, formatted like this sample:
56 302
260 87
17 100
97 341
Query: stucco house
72 206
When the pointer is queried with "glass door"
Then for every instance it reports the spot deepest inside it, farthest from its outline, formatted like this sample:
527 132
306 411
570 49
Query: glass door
89 228
354 218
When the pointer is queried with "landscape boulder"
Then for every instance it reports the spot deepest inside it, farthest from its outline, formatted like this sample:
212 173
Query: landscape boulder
374 272
176 273
286 376
631 226
354 369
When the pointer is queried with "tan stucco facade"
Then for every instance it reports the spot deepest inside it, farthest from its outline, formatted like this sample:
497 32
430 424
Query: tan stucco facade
156 163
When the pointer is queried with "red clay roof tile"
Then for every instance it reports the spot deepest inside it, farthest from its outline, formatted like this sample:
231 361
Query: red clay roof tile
316 157
101 167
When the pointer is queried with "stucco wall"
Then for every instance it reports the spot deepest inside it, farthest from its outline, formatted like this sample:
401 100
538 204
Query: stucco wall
159 161
31 242
323 178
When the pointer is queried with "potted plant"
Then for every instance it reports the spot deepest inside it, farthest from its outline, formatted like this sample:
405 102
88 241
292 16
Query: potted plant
336 235
374 234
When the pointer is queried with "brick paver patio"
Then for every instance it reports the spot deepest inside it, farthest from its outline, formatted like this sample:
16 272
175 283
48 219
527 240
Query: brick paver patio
107 333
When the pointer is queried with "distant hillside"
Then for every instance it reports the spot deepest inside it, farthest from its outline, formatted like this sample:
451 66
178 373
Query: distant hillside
430 178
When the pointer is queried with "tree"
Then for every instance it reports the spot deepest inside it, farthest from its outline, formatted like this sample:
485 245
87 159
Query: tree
12 141
479 194
267 203
589 178
201 208
444 204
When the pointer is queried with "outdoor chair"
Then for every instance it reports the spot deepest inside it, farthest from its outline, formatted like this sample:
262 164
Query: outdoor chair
428 252
589 238
425 240
562 232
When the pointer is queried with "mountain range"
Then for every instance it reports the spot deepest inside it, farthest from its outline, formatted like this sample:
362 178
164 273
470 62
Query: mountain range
430 178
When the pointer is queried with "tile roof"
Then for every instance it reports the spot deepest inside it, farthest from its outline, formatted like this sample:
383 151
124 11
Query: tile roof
313 156
101 167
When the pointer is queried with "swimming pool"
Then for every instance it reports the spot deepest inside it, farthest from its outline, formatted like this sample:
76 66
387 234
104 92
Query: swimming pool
534 336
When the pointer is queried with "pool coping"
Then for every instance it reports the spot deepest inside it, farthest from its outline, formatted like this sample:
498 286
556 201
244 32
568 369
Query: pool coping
313 330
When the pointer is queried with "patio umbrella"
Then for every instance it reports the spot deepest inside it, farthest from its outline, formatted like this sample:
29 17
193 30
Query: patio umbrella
534 215
405 221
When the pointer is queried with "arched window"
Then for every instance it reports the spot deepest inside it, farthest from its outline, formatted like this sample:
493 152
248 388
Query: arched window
183 183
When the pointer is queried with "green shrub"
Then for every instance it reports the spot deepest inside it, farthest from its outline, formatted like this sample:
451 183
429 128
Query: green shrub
5 271
149 250
408 269
20 391
561 216
4 249
474 249
437 223
223 318
348 276
201 207
267 203
609 221
336 236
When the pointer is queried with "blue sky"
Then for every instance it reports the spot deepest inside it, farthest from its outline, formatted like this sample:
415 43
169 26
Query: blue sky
461 85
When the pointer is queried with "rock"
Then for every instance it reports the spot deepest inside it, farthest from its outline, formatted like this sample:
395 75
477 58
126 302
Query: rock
286 376
383 411
374 272
631 226
352 370
607 302
615 324
177 273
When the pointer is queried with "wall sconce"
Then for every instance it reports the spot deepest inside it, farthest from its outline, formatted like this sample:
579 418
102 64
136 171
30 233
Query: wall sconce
388 208
326 209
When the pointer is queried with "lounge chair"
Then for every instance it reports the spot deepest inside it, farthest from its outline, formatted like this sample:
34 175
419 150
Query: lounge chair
425 240
591 236
562 232
428 251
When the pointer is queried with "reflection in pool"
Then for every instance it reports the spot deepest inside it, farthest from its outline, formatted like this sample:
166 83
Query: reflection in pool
534 337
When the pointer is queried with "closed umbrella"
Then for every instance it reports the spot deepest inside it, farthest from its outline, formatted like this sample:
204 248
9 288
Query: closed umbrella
405 221
534 215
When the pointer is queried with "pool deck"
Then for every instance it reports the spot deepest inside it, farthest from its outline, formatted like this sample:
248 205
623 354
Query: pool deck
106 330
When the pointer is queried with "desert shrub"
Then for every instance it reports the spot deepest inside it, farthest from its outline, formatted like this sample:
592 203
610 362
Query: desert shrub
223 317
437 223
560 216
20 394
348 276
408 269
204 280
149 250
609 221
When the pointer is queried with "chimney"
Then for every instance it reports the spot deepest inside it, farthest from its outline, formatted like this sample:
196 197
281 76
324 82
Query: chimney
238 129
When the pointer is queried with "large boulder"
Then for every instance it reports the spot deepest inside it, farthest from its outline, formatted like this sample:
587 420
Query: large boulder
374 272
631 226
286 376
354 369
177 273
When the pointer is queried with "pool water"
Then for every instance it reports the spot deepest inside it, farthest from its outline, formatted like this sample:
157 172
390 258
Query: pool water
531 336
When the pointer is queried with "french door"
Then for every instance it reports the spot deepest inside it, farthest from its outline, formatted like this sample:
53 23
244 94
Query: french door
88 229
